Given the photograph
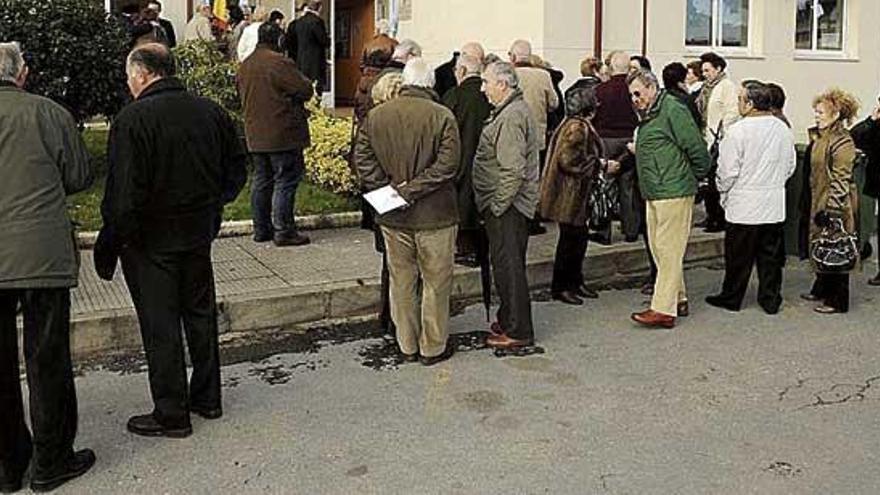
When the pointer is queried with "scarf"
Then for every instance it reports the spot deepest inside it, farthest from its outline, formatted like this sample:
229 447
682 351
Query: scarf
706 93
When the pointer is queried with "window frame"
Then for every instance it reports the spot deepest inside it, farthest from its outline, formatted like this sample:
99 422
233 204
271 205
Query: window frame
716 32
814 50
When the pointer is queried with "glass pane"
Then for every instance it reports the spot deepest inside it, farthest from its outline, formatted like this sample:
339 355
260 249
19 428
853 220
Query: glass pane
699 23
829 17
734 23
803 36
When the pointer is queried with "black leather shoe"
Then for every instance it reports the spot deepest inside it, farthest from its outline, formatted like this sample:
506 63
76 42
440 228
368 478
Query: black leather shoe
147 426
262 238
568 297
207 412
600 239
431 361
875 282
631 238
718 302
586 292
810 297
77 466
410 358
292 240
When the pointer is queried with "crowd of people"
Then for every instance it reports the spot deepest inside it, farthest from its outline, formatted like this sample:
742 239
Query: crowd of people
477 152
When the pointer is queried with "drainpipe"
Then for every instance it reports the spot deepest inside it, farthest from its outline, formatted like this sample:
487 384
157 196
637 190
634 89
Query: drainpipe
597 29
644 28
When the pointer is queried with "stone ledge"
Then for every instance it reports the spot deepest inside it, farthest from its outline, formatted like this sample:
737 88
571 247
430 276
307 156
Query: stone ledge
116 332
243 228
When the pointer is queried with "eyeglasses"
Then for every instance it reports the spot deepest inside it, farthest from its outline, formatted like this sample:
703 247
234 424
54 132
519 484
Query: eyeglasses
636 94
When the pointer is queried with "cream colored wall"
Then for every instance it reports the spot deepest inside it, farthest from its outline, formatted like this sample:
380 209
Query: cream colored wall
442 26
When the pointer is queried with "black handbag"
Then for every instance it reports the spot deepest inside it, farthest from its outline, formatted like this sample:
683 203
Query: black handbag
834 250
602 203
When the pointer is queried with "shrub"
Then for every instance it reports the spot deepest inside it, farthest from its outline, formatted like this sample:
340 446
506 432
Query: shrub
206 72
75 52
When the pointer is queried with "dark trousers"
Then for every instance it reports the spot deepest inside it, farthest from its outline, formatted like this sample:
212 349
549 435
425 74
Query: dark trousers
53 405
746 246
273 193
508 242
833 290
714 210
170 288
568 265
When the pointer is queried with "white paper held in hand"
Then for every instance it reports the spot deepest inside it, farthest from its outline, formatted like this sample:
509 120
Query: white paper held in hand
385 199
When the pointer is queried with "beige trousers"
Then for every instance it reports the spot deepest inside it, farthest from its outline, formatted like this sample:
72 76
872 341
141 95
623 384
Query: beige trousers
669 227
425 256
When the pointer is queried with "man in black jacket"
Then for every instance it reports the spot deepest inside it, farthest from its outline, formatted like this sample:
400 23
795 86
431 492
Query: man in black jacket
307 43
175 160
867 138
170 37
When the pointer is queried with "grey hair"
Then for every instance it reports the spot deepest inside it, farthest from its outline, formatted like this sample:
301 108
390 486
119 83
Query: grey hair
521 51
418 73
407 49
619 62
505 72
11 61
645 77
471 64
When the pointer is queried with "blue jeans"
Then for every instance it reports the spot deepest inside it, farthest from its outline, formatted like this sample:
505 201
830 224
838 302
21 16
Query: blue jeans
273 193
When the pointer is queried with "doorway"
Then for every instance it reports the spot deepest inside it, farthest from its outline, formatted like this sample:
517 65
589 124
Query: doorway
354 24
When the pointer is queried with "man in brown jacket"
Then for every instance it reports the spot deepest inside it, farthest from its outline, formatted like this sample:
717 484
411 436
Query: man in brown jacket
276 123
412 144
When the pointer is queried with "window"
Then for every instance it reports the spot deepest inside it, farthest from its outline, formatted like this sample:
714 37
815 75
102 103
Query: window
717 23
820 25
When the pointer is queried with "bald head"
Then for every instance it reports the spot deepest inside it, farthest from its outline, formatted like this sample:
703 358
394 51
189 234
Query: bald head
521 52
619 62
474 49
148 63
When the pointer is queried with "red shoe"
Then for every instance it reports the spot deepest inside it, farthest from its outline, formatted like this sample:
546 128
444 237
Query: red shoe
653 319
505 342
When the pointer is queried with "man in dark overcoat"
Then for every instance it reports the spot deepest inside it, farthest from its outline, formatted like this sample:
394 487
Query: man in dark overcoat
307 43
175 160
471 109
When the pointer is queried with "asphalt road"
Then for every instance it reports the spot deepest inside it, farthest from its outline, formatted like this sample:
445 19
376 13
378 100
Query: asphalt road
726 403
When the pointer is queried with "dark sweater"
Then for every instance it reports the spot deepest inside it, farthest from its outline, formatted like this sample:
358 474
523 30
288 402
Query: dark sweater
615 117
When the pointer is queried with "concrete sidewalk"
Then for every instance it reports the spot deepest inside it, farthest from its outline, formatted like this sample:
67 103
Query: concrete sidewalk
260 286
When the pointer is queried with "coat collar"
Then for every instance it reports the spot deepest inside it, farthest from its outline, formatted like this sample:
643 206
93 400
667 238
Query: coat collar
418 92
655 108
516 95
163 85
472 80
9 86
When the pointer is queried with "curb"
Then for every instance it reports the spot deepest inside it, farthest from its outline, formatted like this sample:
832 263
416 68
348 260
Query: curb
267 313
243 228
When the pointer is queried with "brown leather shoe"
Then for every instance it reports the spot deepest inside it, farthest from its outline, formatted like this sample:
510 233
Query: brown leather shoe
653 319
506 342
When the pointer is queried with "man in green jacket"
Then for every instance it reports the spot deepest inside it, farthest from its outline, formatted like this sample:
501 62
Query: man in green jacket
505 180
671 157
411 143
42 160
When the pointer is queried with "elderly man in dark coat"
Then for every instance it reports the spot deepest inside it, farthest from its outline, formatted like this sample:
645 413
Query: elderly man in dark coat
471 109
867 138
307 43
165 192
42 160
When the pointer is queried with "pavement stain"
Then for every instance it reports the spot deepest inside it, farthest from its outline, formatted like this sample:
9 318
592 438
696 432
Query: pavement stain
282 373
824 392
357 471
783 469
482 401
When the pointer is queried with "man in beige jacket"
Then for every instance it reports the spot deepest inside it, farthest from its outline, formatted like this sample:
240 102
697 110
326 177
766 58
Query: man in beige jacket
536 85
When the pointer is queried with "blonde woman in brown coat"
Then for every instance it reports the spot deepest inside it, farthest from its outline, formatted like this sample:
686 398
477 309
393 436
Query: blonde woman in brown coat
573 163
832 190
